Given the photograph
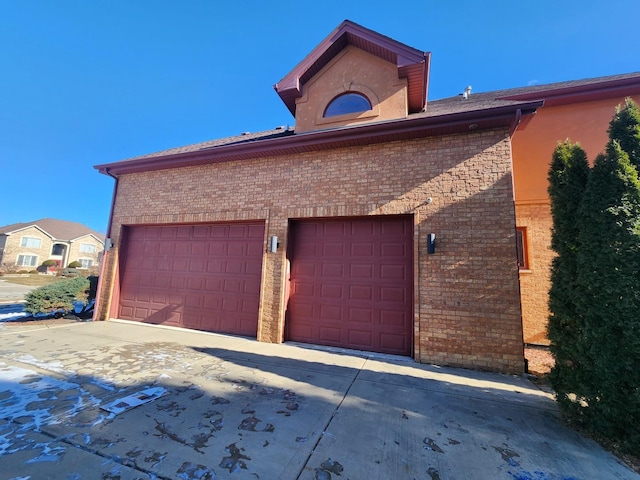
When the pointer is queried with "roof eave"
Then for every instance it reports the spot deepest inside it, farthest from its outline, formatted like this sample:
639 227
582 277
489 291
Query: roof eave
582 93
420 126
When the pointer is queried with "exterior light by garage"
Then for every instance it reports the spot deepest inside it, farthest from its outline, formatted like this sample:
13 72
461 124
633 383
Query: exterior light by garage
273 244
431 243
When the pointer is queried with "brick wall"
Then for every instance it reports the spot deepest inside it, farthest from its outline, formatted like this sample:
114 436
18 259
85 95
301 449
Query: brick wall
467 306
535 281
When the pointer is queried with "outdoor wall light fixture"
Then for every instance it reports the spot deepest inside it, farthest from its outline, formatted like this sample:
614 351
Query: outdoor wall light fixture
431 243
108 244
273 244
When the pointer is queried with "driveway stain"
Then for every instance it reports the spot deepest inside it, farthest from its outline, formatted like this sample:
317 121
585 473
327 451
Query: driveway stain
156 458
250 424
433 473
508 455
430 444
189 471
173 408
236 459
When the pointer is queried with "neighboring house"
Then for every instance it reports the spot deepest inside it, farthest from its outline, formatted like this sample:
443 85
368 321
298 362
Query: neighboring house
25 246
379 222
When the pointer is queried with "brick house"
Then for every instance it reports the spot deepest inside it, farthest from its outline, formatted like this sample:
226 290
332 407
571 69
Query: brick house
377 223
25 246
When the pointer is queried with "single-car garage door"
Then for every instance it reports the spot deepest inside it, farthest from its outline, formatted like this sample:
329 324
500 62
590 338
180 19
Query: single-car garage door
351 283
205 277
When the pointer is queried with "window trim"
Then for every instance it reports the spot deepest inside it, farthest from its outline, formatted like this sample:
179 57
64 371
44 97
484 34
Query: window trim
522 249
24 255
350 88
82 260
349 93
83 250
24 242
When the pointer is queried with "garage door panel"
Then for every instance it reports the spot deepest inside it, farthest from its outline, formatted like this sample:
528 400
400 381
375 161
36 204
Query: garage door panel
301 290
393 250
180 264
393 294
199 249
351 283
331 335
184 275
362 250
331 291
361 271
238 231
167 248
201 231
393 318
218 248
329 313
360 315
238 249
393 272
396 342
361 338
333 249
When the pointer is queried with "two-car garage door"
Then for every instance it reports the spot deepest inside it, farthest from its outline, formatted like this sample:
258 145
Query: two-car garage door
205 277
351 282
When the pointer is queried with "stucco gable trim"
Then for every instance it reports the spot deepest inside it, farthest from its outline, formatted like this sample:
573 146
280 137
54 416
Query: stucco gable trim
412 64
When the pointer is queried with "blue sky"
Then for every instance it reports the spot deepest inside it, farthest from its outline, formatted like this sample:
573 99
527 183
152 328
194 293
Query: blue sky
86 82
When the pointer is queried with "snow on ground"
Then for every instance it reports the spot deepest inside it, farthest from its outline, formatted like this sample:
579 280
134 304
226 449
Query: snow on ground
30 400
10 312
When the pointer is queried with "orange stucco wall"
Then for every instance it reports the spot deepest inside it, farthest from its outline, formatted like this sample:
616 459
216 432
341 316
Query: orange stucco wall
533 146
586 123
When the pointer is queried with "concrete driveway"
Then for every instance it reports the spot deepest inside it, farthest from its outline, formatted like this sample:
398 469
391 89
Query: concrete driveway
11 292
214 406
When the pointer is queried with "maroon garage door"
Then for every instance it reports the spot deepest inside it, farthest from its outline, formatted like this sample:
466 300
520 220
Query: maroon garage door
352 283
205 277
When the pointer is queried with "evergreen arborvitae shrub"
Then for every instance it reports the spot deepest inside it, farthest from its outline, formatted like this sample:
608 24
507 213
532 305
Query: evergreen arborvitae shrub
568 176
625 129
57 296
608 301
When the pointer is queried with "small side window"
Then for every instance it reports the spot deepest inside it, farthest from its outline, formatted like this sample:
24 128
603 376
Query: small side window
347 103
522 248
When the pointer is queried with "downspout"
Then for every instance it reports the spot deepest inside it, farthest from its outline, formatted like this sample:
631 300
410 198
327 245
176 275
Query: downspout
516 121
425 85
105 253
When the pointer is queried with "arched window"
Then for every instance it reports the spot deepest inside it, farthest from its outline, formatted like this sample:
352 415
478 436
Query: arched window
347 103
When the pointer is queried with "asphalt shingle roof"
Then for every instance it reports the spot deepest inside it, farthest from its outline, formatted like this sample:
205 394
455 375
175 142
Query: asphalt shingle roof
435 108
58 229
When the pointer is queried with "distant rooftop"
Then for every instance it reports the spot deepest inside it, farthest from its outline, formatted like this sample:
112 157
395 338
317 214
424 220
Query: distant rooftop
57 229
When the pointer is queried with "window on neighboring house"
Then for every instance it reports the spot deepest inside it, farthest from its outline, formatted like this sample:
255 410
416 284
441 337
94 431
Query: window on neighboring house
521 248
85 263
30 242
347 103
57 249
27 260
87 248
